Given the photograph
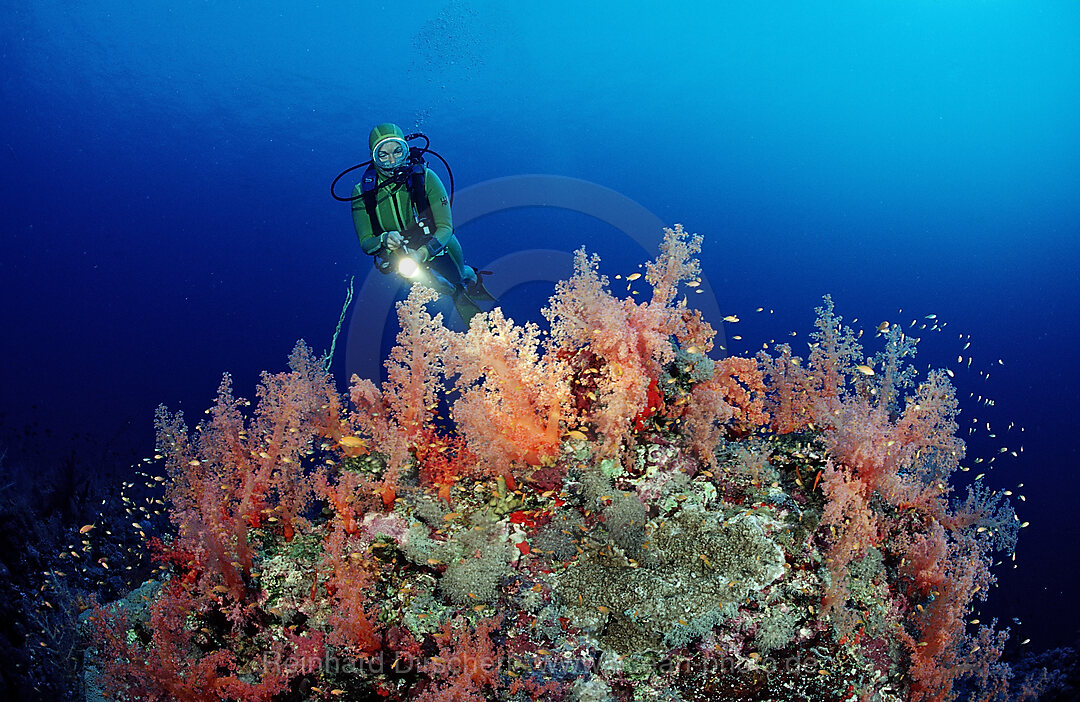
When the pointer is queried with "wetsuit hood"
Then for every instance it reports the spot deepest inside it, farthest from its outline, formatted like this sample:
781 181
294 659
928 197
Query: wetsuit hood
383 133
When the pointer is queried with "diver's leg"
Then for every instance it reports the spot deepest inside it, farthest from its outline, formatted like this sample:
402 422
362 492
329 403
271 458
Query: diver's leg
453 250
445 268
472 281
451 265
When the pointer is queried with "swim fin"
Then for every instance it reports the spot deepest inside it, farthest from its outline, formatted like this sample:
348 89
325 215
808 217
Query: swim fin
477 291
466 307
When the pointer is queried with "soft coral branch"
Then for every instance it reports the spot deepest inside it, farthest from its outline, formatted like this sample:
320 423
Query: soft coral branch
833 357
949 572
790 390
293 409
511 401
467 665
395 416
233 477
172 666
353 611
632 341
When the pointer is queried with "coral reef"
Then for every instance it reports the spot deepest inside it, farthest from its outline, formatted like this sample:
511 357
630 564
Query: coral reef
596 511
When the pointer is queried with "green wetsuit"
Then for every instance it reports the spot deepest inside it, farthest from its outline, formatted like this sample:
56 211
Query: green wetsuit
395 211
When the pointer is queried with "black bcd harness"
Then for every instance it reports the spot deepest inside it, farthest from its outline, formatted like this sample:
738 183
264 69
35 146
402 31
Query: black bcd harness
412 178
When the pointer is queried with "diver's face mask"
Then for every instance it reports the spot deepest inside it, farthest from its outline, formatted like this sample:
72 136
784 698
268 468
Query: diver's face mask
391 154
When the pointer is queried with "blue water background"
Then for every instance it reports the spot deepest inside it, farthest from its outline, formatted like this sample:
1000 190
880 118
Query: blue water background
167 218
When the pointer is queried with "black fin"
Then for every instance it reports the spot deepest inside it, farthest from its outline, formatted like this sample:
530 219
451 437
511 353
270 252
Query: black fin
465 307
477 291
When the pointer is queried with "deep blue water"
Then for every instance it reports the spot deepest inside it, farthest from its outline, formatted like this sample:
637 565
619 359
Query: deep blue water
167 215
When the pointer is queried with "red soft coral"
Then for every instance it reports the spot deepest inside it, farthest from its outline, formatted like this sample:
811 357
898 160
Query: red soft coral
789 391
950 572
352 619
855 529
349 494
704 415
833 357
908 460
743 387
633 341
173 666
467 664
234 476
443 460
395 416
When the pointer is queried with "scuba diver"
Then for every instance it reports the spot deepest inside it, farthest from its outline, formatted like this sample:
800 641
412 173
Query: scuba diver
401 213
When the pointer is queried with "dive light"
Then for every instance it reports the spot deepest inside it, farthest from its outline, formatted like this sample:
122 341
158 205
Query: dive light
407 267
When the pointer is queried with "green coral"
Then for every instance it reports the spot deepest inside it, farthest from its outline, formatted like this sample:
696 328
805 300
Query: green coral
503 502
430 510
624 519
560 536
611 468
693 563
421 549
747 464
287 575
482 559
776 630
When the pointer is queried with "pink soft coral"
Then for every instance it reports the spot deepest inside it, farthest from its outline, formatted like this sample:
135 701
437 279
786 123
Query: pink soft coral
511 400
233 475
633 341
173 666
395 416
789 391
350 582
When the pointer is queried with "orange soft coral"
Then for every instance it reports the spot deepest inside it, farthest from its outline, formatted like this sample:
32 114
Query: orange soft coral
633 342
511 400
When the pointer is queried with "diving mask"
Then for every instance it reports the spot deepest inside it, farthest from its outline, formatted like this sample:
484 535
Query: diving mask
390 153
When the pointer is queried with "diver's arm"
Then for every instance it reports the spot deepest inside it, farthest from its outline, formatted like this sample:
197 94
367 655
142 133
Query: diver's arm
369 241
440 209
